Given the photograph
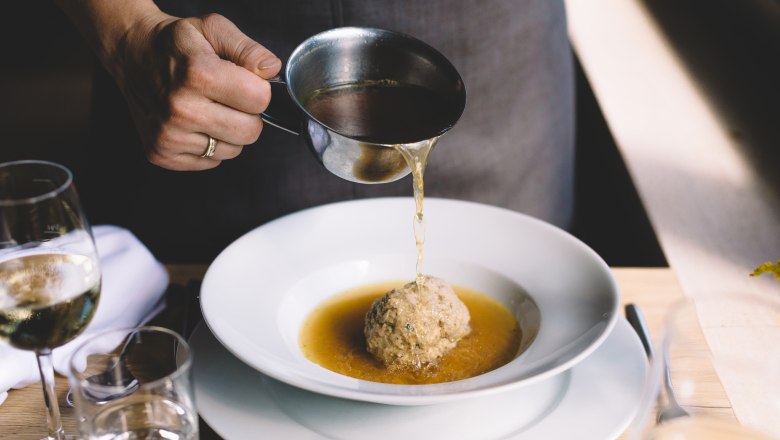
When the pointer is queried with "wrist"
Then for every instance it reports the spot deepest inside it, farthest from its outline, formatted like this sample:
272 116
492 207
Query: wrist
126 33
106 25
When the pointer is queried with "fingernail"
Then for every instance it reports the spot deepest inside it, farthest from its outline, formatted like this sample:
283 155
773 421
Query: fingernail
268 63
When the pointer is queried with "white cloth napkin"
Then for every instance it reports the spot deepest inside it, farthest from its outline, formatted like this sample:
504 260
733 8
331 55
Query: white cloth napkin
132 289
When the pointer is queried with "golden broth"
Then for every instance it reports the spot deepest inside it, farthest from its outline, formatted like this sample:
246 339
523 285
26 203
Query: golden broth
332 337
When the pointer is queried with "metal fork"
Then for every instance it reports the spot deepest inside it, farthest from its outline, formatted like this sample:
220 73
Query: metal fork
672 409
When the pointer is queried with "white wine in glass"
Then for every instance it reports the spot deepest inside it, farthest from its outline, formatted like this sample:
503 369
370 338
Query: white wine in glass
49 268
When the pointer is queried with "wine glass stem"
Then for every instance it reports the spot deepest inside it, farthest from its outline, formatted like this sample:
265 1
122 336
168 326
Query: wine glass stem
46 368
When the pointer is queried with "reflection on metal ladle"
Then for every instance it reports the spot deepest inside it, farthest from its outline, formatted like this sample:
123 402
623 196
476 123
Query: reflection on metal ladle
378 163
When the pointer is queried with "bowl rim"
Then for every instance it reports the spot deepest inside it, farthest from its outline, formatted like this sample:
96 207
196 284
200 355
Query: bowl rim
362 390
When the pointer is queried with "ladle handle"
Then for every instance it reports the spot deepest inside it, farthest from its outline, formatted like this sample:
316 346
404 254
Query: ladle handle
282 112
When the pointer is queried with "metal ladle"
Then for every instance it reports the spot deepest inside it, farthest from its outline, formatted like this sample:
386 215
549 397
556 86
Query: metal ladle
356 55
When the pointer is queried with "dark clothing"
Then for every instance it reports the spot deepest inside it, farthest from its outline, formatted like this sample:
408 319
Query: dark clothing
513 147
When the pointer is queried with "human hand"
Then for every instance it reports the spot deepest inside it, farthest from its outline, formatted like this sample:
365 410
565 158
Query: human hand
188 79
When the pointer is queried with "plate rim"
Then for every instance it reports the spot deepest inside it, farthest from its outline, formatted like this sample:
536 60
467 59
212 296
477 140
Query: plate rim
547 427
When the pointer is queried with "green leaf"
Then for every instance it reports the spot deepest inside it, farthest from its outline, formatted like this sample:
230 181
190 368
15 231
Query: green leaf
768 267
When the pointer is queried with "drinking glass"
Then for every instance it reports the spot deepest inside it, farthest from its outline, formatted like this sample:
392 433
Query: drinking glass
722 358
49 270
134 384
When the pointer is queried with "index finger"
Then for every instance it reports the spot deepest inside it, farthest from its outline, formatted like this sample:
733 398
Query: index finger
231 44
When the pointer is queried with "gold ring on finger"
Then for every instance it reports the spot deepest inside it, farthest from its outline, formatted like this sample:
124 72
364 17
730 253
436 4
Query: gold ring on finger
211 148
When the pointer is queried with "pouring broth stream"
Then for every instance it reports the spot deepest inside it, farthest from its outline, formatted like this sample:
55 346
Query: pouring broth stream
391 117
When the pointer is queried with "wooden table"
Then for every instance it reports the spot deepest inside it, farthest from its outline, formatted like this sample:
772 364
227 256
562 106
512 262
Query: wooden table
22 415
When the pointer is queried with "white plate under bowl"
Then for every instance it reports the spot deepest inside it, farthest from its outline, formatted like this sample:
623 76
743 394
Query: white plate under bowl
259 290
594 400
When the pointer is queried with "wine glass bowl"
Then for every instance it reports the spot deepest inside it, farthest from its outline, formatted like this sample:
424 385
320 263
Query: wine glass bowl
722 353
49 270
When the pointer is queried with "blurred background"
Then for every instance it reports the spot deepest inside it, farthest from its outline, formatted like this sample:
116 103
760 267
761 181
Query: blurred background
733 45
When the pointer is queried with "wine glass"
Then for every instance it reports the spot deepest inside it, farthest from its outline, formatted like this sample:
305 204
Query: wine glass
719 358
49 269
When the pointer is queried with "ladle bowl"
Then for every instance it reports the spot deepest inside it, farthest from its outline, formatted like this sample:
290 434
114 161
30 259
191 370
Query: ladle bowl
422 97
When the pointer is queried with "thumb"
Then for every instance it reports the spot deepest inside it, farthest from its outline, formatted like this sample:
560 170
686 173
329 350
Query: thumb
231 44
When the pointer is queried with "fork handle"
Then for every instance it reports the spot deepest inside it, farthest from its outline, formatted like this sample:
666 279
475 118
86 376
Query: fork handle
636 318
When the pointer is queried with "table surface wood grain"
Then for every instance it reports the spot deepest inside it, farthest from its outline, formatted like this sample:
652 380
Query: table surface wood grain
653 289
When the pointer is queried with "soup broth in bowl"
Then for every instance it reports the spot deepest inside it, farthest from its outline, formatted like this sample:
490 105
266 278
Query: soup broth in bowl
332 336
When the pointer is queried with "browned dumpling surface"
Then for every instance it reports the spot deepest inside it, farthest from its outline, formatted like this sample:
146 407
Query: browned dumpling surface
412 328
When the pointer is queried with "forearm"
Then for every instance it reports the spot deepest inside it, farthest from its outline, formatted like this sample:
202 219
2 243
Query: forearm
105 24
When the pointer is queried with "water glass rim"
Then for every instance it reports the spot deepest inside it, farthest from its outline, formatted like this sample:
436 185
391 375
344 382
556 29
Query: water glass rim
37 198
181 369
